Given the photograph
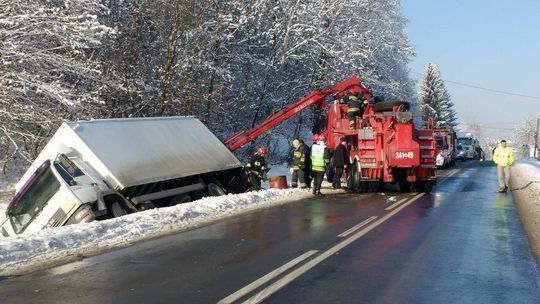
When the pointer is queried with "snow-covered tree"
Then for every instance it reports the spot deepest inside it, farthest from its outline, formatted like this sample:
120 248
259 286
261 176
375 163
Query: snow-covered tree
230 63
48 69
525 132
435 98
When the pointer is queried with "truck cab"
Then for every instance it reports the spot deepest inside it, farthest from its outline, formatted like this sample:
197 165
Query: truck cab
57 193
469 145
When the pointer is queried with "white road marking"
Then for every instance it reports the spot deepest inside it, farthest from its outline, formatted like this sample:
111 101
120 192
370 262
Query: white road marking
449 175
256 284
395 205
265 293
353 229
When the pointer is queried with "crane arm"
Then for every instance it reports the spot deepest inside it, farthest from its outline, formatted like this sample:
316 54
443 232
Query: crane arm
316 98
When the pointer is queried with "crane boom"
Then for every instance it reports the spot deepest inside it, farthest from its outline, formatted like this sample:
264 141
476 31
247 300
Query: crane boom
316 98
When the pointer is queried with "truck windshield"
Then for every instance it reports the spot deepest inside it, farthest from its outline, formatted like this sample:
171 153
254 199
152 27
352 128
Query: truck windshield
465 141
32 201
440 142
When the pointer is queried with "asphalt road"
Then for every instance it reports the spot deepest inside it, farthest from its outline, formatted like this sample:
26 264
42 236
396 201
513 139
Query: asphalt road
461 244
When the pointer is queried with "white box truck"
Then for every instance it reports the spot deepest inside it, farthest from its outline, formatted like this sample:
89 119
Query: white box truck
106 168
470 147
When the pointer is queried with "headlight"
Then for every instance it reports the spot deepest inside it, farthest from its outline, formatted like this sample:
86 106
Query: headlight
83 215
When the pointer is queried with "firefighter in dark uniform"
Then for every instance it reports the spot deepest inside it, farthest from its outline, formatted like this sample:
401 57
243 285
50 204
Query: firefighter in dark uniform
340 159
353 111
256 169
299 164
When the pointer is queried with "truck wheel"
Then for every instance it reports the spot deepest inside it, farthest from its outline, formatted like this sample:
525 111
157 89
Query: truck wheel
355 180
215 190
117 210
389 105
350 180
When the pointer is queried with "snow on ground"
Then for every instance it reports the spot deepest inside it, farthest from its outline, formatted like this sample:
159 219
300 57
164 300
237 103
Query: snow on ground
26 252
525 187
530 168
58 245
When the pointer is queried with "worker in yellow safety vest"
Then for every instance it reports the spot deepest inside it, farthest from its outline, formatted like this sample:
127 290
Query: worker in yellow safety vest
320 157
503 157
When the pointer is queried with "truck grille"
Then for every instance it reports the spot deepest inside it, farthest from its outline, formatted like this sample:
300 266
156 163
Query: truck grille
57 219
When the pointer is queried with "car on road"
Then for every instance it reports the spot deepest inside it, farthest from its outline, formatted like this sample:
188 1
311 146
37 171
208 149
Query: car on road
461 155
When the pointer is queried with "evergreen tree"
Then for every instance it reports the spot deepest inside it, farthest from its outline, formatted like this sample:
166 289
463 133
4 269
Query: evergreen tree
435 98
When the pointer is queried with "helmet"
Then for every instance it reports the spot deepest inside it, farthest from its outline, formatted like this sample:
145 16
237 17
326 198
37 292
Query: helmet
315 138
296 143
321 138
261 151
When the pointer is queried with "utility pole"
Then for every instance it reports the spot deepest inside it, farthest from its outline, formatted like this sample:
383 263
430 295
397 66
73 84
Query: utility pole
536 137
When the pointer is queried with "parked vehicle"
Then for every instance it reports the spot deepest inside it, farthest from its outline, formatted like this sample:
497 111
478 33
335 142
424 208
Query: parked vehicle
107 168
445 147
384 148
470 145
460 153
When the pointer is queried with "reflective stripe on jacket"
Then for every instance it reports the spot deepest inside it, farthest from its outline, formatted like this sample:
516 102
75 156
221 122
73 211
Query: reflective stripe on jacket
257 166
353 104
503 156
299 157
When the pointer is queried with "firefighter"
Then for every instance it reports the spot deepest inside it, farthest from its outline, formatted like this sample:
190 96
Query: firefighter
503 157
307 171
353 110
340 159
299 167
356 106
256 169
320 157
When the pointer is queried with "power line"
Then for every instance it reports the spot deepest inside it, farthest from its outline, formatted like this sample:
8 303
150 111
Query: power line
486 89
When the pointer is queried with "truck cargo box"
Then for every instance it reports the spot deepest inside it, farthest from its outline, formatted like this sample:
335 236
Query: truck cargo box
134 151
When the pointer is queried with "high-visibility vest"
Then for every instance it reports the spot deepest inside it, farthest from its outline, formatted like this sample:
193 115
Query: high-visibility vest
503 156
318 158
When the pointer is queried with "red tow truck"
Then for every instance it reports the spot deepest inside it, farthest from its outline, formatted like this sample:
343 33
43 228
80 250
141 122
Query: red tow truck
384 148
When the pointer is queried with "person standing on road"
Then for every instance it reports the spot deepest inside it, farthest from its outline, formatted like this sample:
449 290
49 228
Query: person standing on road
503 157
256 169
320 157
299 164
339 160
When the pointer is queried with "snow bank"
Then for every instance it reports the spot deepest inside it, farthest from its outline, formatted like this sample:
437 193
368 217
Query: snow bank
59 245
525 187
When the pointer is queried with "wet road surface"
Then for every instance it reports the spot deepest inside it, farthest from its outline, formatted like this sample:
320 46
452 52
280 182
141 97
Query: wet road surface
461 244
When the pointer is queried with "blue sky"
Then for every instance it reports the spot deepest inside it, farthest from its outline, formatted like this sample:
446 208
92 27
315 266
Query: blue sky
486 43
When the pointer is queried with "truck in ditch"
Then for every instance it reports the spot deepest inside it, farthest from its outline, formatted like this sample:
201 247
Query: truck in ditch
107 168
